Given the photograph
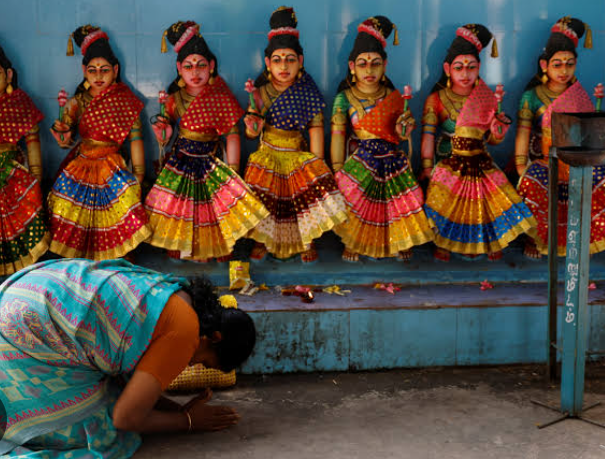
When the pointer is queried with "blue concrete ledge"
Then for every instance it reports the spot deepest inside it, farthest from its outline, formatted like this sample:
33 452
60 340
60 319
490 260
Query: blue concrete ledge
440 317
417 327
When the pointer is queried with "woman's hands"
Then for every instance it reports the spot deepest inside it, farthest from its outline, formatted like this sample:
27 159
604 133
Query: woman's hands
136 411
162 130
206 417
405 124
62 134
254 123
499 126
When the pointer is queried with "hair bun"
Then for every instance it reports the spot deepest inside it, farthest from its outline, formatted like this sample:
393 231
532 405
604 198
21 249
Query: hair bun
176 30
283 17
82 32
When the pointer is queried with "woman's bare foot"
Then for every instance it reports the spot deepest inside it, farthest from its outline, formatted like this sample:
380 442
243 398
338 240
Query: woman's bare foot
495 256
404 255
309 256
350 256
531 250
441 254
259 251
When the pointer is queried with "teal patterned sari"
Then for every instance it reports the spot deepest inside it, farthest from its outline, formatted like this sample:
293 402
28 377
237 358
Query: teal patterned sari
67 327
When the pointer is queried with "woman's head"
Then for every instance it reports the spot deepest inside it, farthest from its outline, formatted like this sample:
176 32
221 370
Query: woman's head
368 58
8 75
283 55
557 63
462 62
196 64
100 66
227 333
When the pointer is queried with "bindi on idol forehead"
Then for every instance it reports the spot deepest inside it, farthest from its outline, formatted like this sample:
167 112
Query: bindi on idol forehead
282 54
99 67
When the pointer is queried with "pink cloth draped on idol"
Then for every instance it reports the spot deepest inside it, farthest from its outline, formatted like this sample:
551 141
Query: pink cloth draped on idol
574 100
479 109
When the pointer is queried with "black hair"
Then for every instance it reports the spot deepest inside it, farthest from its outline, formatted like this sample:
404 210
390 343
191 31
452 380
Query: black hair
366 43
98 48
195 45
282 17
6 64
235 326
557 42
461 46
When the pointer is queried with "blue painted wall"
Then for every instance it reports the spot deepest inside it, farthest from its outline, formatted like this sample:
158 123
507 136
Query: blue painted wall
34 35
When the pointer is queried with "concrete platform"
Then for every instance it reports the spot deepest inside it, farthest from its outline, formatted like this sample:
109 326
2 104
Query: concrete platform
453 413
440 316
330 269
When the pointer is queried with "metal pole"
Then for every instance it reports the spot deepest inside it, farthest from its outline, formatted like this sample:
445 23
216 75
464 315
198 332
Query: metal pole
575 313
553 199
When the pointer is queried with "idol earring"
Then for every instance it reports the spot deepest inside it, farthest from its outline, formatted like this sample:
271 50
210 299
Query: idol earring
181 83
353 79
477 81
574 79
544 77
384 78
300 72
86 85
448 83
9 89
269 77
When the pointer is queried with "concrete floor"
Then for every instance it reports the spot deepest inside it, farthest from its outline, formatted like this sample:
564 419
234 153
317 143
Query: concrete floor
451 413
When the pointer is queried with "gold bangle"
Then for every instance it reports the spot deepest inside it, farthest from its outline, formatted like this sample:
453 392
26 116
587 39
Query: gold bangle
190 428
427 162
138 169
520 160
34 169
234 167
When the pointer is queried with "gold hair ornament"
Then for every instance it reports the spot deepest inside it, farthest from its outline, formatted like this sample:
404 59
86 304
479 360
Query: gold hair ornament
164 48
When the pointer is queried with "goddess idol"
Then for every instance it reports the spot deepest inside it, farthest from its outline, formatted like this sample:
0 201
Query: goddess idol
199 206
471 203
554 88
386 217
291 179
23 233
95 203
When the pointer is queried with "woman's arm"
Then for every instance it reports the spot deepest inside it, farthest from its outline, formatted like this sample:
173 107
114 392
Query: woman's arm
34 154
135 410
430 121
316 141
524 125
233 150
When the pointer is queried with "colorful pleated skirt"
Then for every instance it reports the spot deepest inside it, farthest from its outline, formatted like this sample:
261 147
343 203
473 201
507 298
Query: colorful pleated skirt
95 206
533 187
385 202
473 206
198 205
24 237
298 190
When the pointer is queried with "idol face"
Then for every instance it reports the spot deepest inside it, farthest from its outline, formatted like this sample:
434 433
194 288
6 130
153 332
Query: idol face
560 68
369 68
463 72
100 74
195 71
284 65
